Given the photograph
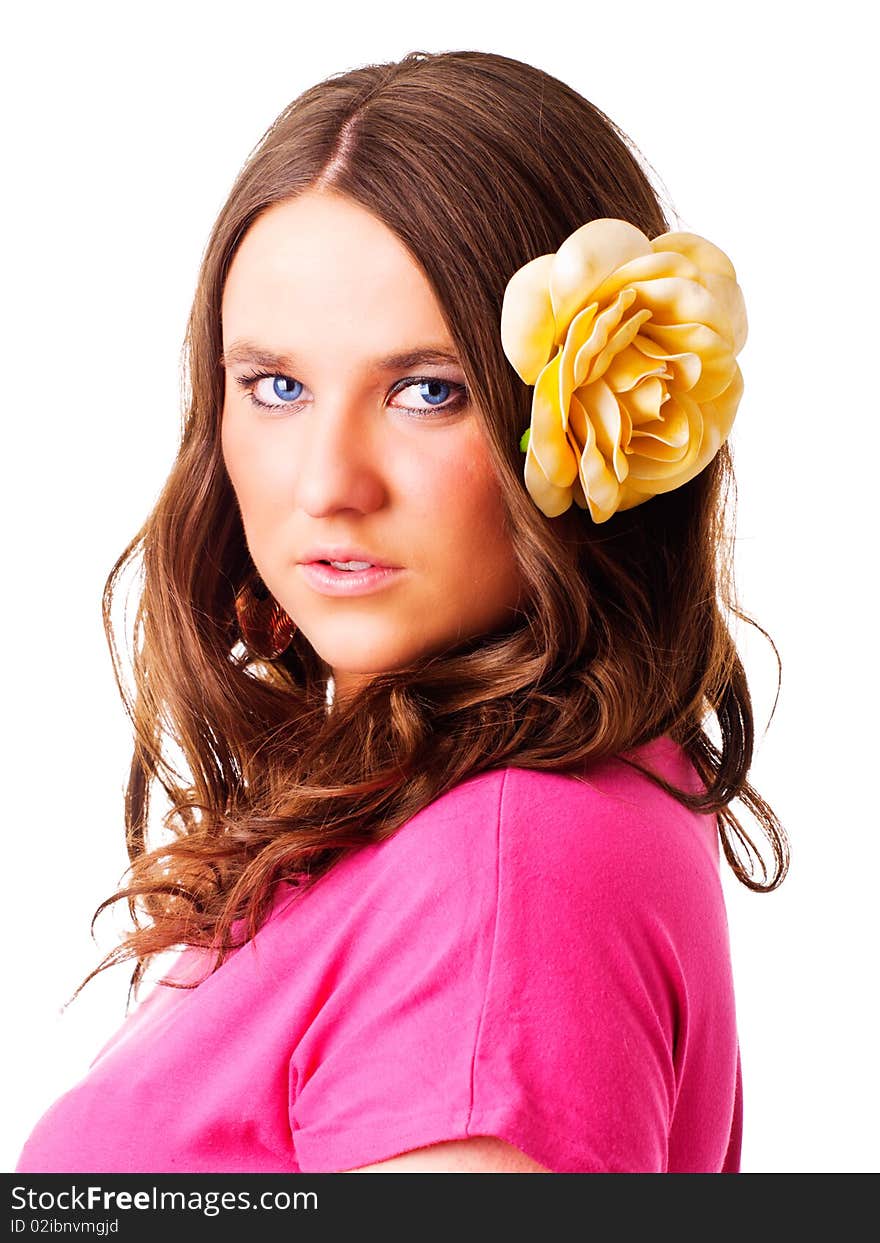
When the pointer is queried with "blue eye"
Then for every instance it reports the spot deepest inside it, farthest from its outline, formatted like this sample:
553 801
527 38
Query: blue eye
438 397
442 396
283 385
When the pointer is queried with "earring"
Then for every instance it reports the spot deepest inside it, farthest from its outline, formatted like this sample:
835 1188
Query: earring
265 627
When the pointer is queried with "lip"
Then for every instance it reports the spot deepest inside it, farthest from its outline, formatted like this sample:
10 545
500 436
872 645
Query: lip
336 552
329 582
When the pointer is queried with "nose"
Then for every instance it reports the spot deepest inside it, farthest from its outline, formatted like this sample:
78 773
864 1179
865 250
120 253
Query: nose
340 458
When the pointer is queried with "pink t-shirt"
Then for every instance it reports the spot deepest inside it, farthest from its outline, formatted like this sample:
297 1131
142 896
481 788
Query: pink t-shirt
536 956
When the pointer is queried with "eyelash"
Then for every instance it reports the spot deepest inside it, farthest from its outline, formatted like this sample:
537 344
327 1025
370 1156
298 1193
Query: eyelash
250 381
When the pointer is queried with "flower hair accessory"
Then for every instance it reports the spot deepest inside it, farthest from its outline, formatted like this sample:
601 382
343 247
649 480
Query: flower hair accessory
631 347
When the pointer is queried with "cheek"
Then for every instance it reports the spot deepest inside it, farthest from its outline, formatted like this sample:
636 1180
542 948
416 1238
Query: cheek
252 470
467 503
234 450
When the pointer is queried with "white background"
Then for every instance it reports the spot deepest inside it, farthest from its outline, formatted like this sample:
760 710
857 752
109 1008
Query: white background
124 132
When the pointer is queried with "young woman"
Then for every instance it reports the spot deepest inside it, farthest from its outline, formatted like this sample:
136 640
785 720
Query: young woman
435 607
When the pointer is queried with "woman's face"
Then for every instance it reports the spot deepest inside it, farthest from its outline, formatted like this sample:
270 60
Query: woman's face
358 450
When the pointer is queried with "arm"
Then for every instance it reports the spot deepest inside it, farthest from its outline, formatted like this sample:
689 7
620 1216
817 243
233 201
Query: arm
482 1154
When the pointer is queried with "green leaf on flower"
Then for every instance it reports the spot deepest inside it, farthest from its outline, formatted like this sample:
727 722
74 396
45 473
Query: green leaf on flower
524 439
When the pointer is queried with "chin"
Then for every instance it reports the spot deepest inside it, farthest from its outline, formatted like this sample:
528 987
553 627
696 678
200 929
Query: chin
349 672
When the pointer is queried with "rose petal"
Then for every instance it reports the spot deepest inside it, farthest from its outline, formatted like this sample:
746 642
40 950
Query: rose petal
626 430
527 326
684 370
599 484
629 497
577 493
604 413
604 325
651 475
665 441
548 441
729 297
585 259
676 301
578 333
645 268
718 417
550 499
644 403
677 340
631 368
706 255
718 304
618 341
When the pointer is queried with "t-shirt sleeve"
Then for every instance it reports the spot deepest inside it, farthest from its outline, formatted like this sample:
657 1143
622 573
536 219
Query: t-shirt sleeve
575 1058
513 976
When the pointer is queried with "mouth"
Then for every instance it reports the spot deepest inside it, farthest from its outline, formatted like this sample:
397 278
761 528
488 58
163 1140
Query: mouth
349 558
348 579
348 567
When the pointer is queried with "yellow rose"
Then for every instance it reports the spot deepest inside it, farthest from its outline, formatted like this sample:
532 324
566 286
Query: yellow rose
631 345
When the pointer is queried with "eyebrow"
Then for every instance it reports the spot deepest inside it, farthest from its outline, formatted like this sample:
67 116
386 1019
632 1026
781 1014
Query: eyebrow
244 351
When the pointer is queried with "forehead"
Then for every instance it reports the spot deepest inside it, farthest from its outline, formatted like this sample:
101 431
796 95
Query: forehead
320 270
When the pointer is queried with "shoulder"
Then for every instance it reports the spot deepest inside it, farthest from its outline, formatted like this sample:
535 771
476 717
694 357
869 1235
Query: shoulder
550 819
606 837
611 811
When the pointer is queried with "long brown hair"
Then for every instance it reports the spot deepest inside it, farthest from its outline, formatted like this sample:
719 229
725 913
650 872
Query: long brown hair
478 163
